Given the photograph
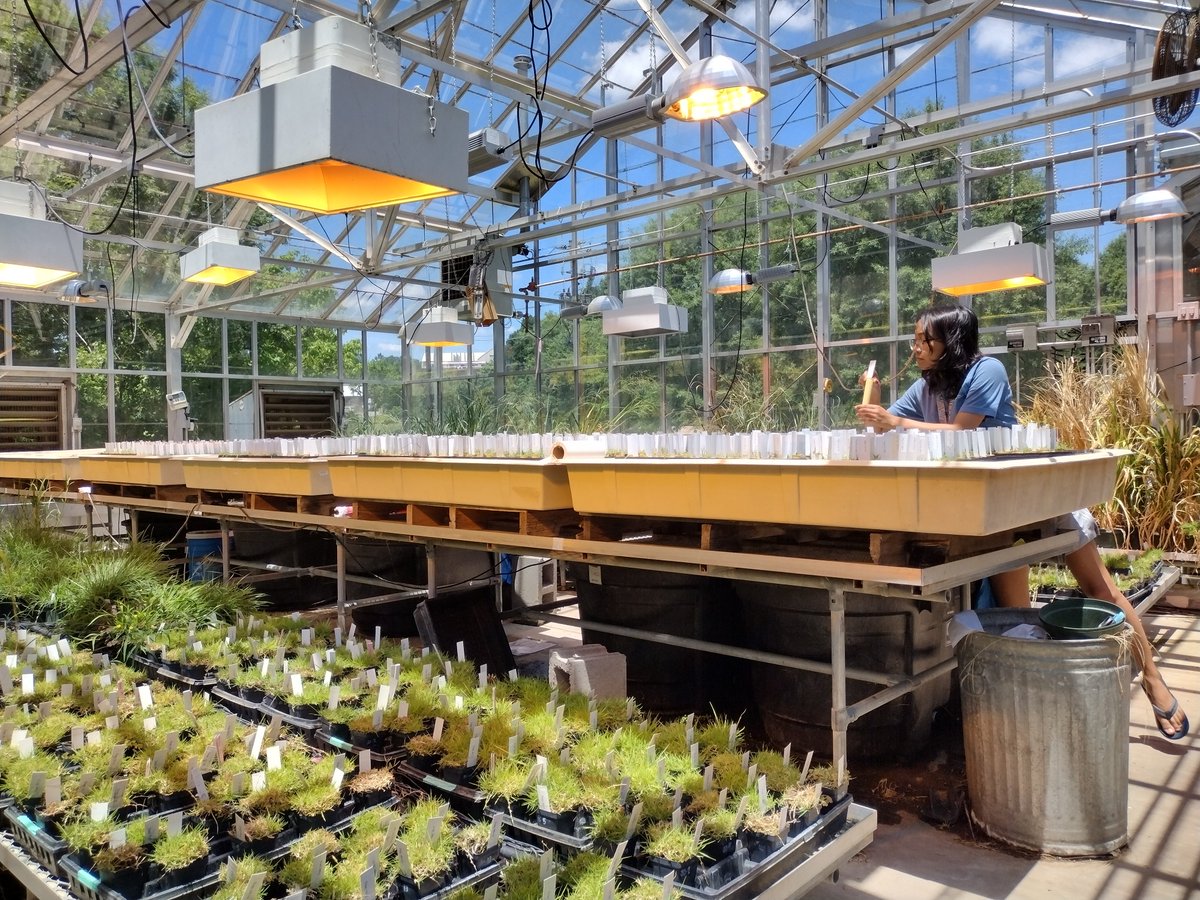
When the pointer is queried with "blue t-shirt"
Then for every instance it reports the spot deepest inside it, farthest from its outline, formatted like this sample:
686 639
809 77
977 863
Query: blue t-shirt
985 392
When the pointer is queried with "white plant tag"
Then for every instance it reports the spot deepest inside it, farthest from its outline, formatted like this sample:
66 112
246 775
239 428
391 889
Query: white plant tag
144 696
317 874
256 744
274 760
807 765
37 784
336 779
258 781
149 724
364 760
296 686
151 832
53 792
99 811
438 724
116 839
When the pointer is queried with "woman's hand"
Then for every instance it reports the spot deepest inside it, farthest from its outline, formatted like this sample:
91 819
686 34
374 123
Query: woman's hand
874 416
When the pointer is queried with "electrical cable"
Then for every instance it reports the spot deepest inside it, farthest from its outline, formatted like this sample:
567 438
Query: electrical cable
49 43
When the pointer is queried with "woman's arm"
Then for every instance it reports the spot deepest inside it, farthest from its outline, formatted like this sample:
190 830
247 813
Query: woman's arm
877 417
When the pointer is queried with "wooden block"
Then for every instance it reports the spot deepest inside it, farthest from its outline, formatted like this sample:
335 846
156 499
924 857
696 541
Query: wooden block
436 516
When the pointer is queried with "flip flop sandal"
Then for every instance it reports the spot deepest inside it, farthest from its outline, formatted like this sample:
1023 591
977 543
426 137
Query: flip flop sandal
1167 714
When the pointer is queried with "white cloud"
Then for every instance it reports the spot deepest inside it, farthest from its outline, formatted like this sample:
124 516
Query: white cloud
1080 53
625 71
789 18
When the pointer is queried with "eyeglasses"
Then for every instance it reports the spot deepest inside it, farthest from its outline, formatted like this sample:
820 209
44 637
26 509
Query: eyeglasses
914 346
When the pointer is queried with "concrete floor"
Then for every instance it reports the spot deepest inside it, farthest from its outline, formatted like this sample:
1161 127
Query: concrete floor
912 860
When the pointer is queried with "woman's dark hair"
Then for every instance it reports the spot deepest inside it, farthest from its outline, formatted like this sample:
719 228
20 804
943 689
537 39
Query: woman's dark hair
957 328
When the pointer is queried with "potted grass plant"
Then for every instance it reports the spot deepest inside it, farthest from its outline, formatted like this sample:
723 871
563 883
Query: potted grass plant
674 848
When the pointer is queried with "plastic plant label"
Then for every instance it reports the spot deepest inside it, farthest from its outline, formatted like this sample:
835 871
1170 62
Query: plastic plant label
297 687
460 652
67 691
27 683
238 784
433 828
402 708
52 676
145 699
337 636
438 724
615 862
635 816
353 630
52 792
427 673
402 859
116 758
393 832
372 677
377 718
112 723
327 678
52 652
317 872
384 697
258 781
254 886
733 737
305 637
274 728
473 751
116 839
494 832
741 812
594 575
257 742
152 829
149 724
546 865
549 887
762 793
405 649
543 797
37 782
751 775
366 884
336 779
274 760
99 811
378 636
787 755
607 892
807 765
119 786
491 892
171 741
86 782
668 886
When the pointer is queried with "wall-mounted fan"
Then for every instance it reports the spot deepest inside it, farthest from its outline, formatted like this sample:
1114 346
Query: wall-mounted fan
1175 54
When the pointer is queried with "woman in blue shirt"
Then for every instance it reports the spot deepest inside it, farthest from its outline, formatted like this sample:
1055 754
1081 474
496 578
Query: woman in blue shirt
960 389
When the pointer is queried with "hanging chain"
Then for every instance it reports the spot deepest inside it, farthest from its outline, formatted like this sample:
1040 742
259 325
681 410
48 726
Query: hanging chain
491 65
367 16
296 23
19 166
432 117
603 52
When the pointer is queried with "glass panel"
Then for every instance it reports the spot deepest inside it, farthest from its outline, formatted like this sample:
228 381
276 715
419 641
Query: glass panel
141 408
793 378
205 406
92 404
276 349
640 398
91 338
353 360
239 336
318 352
202 352
139 341
40 334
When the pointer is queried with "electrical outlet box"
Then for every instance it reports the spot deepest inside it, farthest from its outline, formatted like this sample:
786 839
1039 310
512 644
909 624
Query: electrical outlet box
1021 337
1098 330
1191 390
1188 310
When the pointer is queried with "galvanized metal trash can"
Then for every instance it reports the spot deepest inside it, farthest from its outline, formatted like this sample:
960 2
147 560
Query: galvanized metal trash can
1046 734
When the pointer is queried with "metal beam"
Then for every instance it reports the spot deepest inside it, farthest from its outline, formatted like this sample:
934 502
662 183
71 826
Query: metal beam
142 26
930 48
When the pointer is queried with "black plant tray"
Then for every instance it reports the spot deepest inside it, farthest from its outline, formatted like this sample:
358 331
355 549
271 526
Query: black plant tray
328 742
479 879
236 704
87 885
528 831
737 877
36 841
468 801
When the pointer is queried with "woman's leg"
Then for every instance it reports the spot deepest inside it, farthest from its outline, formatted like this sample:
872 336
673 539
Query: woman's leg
1011 588
1096 581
